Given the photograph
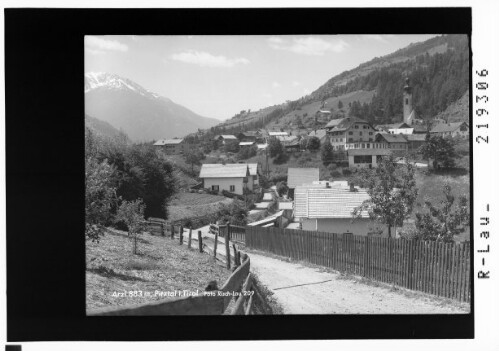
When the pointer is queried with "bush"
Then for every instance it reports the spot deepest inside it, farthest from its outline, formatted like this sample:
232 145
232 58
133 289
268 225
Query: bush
313 143
282 188
235 213
335 174
280 159
347 172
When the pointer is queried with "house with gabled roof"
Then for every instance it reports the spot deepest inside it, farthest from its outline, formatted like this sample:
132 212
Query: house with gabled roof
172 146
452 130
234 177
329 207
349 130
319 133
397 143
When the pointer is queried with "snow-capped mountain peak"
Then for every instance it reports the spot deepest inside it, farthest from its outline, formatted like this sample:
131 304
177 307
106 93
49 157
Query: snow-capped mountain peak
95 80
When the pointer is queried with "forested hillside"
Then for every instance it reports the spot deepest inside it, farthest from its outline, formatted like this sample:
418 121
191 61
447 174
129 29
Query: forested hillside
437 69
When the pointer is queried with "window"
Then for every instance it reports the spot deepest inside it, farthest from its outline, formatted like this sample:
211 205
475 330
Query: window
364 127
214 187
369 145
350 140
363 145
370 139
356 126
370 133
406 101
232 188
350 133
360 133
362 159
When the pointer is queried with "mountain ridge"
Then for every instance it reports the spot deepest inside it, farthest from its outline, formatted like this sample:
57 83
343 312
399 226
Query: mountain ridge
139 112
438 68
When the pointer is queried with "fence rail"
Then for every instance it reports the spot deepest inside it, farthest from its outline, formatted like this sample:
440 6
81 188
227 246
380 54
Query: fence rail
441 269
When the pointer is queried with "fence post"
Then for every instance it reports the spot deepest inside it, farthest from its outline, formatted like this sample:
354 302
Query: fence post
200 240
181 234
410 266
172 231
235 255
215 246
227 248
190 238
162 229
366 255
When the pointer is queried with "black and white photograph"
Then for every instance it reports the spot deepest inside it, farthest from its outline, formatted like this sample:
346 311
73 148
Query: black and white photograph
200 176
277 174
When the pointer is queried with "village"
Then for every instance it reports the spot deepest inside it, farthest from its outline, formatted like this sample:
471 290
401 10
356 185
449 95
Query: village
311 202
344 201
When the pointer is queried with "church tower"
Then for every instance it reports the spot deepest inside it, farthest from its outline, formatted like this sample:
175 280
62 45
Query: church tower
408 112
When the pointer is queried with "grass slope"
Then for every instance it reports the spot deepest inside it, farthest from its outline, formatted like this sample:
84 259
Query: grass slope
162 265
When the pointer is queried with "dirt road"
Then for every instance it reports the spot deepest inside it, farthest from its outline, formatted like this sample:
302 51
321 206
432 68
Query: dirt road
304 289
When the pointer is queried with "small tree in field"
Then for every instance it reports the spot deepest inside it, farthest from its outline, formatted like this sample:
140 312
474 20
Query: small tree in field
440 150
444 221
392 193
132 214
326 152
275 147
193 157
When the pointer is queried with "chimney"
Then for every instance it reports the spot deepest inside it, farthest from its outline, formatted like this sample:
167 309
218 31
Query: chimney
352 187
327 185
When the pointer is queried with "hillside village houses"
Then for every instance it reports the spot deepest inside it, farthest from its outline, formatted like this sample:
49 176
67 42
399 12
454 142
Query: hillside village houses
452 130
225 139
172 146
235 178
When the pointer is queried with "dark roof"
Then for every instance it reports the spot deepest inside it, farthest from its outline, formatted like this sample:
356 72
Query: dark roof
449 127
344 123
415 137
250 133
418 128
300 176
392 138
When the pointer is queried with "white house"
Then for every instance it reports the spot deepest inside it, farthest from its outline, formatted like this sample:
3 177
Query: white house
233 178
329 208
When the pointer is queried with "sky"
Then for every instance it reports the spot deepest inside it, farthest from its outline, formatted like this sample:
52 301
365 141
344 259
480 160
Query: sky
219 76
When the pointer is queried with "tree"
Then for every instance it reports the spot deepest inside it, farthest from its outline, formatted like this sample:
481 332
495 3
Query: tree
340 105
444 221
231 146
282 188
193 157
275 147
100 196
131 213
440 150
313 143
326 152
247 152
233 213
392 193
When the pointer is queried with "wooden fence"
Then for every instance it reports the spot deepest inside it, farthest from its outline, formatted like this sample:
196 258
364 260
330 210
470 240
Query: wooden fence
239 287
236 233
437 268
